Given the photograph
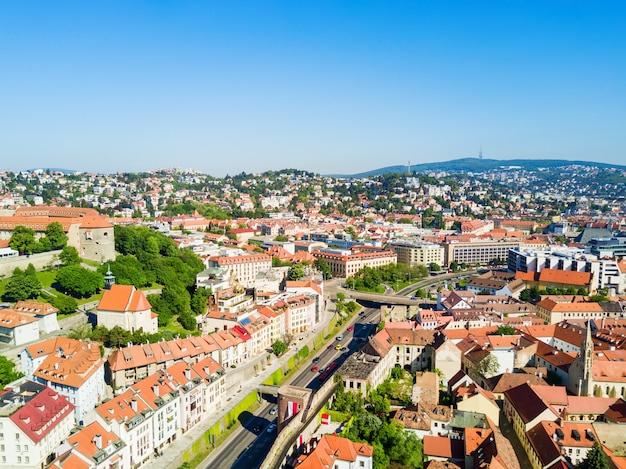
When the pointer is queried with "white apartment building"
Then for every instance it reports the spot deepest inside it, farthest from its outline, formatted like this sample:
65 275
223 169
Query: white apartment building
478 251
605 272
71 367
242 268
34 420
96 448
129 417
300 311
346 263
17 329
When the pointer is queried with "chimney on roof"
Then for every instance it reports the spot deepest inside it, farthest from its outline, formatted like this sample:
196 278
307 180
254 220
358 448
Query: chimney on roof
188 374
133 404
97 439
155 389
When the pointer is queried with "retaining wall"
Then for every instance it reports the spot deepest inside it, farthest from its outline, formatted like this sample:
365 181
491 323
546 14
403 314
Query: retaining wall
40 261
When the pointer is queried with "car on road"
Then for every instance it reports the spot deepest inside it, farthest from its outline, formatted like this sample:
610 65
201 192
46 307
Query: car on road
316 359
315 368
271 428
338 347
350 328
273 410
330 346
339 337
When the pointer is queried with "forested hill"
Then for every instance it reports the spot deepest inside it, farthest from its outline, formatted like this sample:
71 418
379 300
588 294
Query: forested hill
477 165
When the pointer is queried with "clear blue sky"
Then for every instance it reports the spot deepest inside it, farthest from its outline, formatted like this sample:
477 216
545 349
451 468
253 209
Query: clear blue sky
326 86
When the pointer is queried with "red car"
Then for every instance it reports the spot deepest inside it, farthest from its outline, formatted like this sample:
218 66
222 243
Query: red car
315 369
350 328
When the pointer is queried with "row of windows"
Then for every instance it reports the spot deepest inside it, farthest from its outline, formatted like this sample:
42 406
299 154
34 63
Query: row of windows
19 459
17 448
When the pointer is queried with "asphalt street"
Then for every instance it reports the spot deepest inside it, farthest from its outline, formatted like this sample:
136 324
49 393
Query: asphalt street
248 446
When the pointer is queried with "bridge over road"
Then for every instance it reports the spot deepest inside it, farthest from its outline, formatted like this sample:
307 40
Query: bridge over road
268 389
400 298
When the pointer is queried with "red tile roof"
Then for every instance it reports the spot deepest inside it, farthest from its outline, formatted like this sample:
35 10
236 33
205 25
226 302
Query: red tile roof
42 413
9 319
123 298
71 369
566 277
35 307
526 402
331 448
86 441
540 438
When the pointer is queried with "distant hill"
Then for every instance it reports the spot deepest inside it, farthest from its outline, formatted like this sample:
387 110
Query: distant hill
476 165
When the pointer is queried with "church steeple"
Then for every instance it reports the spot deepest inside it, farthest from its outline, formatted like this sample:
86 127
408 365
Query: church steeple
586 351
109 278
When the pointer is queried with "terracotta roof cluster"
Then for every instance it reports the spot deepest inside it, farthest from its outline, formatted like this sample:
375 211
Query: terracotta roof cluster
70 369
90 446
39 217
530 401
550 440
156 390
163 352
331 448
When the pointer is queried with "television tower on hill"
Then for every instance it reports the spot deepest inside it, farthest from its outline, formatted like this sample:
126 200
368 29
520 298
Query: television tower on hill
480 153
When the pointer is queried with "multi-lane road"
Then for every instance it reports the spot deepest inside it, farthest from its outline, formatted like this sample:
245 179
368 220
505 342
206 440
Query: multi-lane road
248 446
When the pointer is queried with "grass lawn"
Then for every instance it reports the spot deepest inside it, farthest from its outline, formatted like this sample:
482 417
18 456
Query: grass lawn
176 329
46 277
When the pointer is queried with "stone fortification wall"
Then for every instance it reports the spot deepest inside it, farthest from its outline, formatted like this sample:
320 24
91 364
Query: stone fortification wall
40 261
